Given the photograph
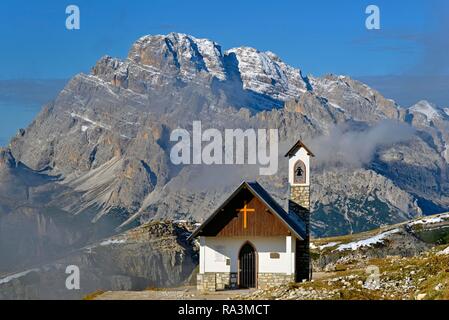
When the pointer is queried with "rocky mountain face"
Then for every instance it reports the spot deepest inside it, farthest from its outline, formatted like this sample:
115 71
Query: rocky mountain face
154 255
98 156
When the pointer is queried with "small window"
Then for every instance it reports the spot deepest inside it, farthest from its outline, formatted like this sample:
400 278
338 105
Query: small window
275 255
228 262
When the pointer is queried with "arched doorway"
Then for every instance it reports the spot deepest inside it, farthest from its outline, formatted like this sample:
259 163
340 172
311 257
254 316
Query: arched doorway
247 266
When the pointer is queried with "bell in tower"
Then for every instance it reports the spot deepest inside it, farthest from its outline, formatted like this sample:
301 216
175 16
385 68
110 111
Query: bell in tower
299 173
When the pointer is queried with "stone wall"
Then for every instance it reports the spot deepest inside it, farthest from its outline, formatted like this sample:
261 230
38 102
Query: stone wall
301 196
205 282
210 282
216 281
266 280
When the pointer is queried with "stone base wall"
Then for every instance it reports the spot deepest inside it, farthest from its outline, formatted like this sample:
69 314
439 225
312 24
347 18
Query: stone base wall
267 280
225 281
211 282
216 281
205 282
301 195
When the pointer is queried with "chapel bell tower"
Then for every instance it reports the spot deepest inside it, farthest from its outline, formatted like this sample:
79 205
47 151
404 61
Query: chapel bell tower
299 174
299 201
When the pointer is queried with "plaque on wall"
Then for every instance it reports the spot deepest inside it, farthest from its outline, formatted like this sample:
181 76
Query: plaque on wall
275 255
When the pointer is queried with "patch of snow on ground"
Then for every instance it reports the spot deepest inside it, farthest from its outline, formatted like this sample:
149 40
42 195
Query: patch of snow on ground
431 220
328 245
324 246
366 242
16 276
112 241
84 128
444 252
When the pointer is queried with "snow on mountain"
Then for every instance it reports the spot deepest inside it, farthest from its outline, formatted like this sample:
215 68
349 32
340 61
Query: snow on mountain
425 108
328 83
336 106
112 242
177 52
192 59
266 73
199 61
431 220
212 56
16 276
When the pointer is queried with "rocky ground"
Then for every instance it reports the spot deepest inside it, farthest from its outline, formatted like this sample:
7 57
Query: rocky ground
425 276
405 261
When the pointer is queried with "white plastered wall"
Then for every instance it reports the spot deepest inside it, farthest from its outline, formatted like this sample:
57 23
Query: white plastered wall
214 253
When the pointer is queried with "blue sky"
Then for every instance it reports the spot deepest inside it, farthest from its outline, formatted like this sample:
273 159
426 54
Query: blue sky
317 36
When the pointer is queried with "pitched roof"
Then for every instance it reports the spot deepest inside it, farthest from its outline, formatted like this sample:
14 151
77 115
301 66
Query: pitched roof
298 145
292 222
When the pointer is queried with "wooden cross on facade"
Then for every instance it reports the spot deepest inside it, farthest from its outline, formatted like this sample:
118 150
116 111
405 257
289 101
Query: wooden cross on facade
245 211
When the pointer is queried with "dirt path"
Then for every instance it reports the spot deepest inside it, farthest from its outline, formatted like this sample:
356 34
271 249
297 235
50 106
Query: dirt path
184 293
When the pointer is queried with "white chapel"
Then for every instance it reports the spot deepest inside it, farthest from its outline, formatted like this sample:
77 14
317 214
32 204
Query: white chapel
250 241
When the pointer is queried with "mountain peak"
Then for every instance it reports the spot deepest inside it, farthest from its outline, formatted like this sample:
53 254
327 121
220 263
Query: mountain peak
193 58
426 108
266 73
179 53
